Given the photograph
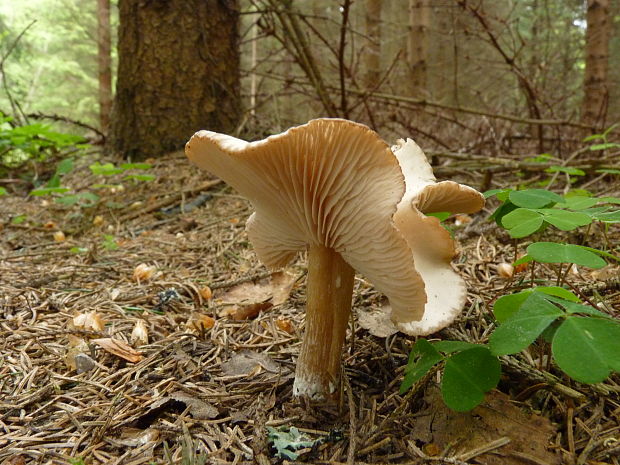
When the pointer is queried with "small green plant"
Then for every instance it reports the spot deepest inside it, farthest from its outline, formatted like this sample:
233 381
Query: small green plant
583 341
287 441
62 195
38 142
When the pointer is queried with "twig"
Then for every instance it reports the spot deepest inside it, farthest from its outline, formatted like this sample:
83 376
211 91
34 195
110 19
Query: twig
473 111
65 119
170 200
14 104
341 48
483 449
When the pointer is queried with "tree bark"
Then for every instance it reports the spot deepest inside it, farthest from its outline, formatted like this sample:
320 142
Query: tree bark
104 59
417 46
596 79
178 72
373 34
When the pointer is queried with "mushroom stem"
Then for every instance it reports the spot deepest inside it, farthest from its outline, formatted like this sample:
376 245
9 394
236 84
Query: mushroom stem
329 293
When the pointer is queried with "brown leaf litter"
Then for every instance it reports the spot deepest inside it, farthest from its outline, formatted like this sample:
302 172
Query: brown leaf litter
193 378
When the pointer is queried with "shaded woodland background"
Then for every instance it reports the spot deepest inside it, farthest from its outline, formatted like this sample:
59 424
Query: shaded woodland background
470 75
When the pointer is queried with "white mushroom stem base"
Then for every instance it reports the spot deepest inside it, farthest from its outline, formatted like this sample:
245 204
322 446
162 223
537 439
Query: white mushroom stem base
329 293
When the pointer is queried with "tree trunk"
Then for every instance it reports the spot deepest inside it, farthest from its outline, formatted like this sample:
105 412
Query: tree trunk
178 72
373 34
104 59
596 79
417 46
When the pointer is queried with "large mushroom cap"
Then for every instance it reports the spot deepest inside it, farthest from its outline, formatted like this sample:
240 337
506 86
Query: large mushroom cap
431 244
329 182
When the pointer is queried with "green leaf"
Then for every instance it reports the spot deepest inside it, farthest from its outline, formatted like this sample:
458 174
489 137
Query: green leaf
524 326
107 169
565 220
69 199
449 347
508 305
2 191
492 192
77 250
535 198
54 181
441 216
608 217
615 200
608 171
136 166
65 166
47 191
552 252
574 307
602 253
565 169
587 349
109 243
142 177
19 219
467 376
422 358
502 211
604 146
522 222
580 202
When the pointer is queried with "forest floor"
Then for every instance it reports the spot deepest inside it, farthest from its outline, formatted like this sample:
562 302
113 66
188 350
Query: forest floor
103 364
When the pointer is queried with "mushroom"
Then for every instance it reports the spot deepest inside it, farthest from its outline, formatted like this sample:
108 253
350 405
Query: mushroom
431 245
332 187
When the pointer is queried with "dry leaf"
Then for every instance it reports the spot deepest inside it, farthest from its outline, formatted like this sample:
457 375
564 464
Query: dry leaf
140 333
59 236
49 225
606 273
75 347
248 363
199 322
119 348
285 325
89 321
143 272
98 220
136 437
246 312
206 292
276 288
377 321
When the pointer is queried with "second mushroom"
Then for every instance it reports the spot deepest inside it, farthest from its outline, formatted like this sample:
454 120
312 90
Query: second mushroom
336 189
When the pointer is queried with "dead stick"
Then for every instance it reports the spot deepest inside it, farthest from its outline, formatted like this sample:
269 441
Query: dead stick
170 200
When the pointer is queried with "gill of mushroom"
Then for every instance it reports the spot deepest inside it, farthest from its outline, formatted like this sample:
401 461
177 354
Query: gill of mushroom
332 187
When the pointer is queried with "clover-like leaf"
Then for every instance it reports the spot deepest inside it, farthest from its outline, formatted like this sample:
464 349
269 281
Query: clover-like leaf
422 358
564 219
552 252
522 222
524 326
535 198
587 348
467 376
508 305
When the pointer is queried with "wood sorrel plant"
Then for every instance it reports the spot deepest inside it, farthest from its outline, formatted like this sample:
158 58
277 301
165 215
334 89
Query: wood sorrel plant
584 340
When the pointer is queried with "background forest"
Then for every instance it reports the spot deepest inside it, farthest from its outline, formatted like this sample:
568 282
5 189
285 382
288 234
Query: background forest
137 325
441 71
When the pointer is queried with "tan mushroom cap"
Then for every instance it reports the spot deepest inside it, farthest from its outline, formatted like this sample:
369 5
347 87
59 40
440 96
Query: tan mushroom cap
431 244
329 182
